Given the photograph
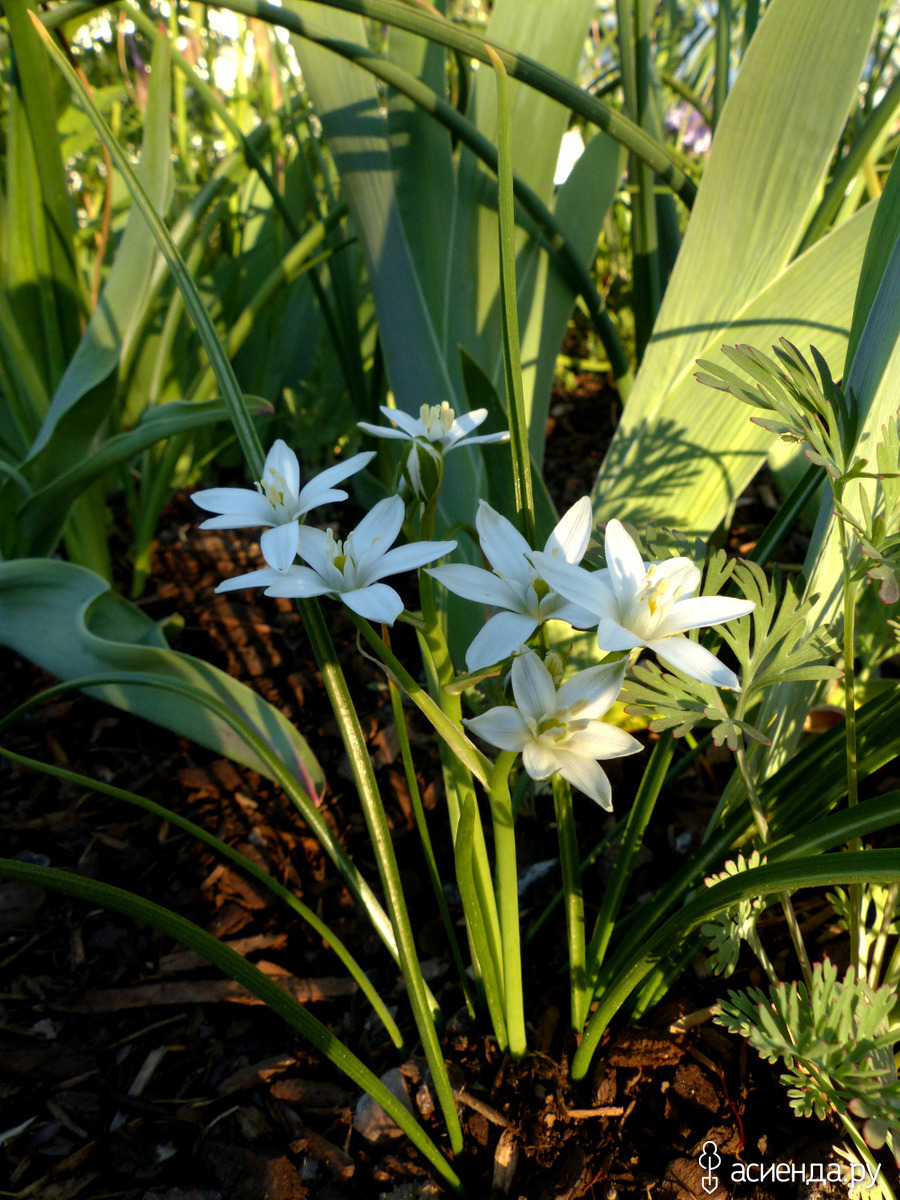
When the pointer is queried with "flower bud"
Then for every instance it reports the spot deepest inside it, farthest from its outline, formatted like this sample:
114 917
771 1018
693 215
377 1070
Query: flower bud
421 470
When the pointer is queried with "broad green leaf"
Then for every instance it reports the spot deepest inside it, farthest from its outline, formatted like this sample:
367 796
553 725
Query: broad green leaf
879 249
69 427
70 622
39 206
772 147
423 166
686 467
40 520
347 102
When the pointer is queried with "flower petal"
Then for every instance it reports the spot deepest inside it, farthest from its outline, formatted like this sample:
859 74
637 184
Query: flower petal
383 431
279 545
588 777
377 602
466 422
282 461
611 636
532 686
318 490
571 535
594 690
590 590
378 529
312 546
691 658
691 613
500 637
261 578
474 583
555 608
410 425
504 727
502 543
407 558
602 740
483 439
627 570
679 573
299 584
540 761
242 504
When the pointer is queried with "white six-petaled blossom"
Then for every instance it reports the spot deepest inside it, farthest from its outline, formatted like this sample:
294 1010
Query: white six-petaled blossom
559 731
436 423
350 570
636 603
278 502
514 585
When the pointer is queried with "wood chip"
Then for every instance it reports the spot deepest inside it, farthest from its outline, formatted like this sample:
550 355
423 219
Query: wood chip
210 991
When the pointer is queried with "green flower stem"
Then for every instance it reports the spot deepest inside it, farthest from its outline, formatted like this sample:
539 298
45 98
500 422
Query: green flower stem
857 952
507 886
260 874
423 1005
412 784
638 818
884 929
457 777
589 859
466 751
787 907
574 898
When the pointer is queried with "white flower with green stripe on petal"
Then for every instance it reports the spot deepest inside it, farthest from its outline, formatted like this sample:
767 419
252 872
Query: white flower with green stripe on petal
514 585
559 731
350 570
437 423
636 604
279 502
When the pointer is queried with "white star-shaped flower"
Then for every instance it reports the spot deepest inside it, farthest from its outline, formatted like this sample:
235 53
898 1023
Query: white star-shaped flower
278 502
350 570
515 585
437 423
559 731
636 603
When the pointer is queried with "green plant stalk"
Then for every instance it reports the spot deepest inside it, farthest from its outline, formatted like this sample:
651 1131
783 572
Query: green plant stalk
589 859
464 750
457 777
787 907
424 1010
243 972
857 953
152 502
574 898
412 784
507 886
240 860
884 929
641 811
850 866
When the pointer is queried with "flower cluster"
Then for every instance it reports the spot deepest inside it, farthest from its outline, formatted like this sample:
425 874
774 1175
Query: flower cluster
350 571
633 605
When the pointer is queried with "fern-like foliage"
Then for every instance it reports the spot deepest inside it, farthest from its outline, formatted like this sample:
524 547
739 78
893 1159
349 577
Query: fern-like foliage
737 923
836 1042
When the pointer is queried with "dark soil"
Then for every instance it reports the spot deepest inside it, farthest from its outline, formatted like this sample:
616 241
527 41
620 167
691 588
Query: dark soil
129 1069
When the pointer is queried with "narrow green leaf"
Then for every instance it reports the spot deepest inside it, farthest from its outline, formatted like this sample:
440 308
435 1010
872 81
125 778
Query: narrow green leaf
249 976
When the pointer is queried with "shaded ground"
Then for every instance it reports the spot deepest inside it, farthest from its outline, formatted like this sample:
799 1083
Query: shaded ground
140 1074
